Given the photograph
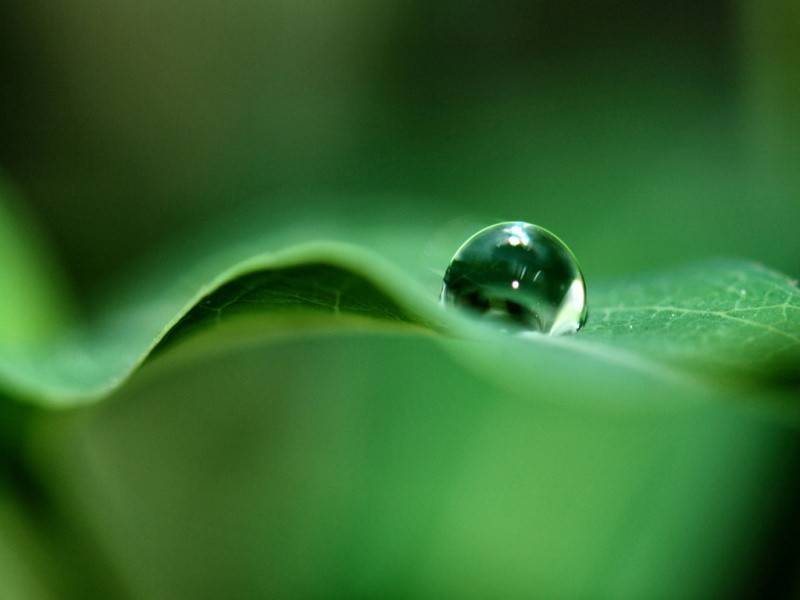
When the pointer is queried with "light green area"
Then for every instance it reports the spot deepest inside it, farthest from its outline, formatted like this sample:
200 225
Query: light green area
385 464
732 315
33 306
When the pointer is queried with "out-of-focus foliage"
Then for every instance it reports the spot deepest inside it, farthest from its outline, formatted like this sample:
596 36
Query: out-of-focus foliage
613 124
32 301
379 465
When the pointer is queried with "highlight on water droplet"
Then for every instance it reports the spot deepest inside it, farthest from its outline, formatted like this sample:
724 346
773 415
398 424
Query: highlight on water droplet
520 275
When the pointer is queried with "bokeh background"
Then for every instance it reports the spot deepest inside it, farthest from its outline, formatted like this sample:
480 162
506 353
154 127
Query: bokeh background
610 122
645 133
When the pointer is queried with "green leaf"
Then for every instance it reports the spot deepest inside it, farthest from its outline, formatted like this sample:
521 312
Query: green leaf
734 316
721 318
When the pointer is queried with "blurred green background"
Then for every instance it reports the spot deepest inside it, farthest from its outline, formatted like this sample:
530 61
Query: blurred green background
610 122
646 134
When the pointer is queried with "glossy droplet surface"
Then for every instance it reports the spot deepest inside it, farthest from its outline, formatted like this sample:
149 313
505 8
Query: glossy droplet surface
521 276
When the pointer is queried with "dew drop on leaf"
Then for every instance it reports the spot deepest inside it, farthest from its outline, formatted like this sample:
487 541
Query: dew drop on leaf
519 275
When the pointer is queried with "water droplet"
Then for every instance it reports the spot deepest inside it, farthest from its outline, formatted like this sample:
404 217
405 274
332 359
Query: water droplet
519 275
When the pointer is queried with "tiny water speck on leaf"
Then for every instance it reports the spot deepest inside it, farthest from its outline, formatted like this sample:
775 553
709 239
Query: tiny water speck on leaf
519 275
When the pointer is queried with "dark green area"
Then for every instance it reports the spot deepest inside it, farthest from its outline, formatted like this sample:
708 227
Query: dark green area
645 134
315 287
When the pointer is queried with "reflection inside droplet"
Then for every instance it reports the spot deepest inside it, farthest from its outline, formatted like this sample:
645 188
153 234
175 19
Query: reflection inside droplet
519 275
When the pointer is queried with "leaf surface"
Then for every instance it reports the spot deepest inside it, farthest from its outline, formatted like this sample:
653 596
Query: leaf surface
729 315
721 318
